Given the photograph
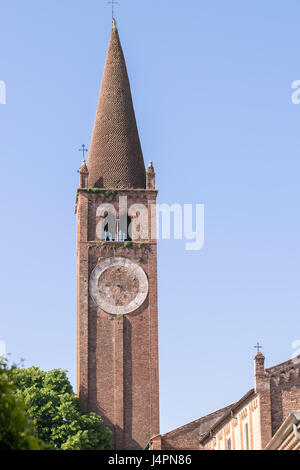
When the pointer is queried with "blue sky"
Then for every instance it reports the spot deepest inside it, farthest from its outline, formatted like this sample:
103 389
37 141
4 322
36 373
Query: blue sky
211 82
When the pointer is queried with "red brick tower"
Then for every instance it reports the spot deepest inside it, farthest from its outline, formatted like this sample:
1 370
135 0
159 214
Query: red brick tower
117 273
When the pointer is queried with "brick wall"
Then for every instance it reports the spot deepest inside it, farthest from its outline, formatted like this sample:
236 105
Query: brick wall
187 437
117 355
285 392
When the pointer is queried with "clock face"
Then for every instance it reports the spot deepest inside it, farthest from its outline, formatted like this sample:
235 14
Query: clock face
118 286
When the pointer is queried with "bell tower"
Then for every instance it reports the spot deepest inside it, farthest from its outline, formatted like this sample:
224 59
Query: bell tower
117 268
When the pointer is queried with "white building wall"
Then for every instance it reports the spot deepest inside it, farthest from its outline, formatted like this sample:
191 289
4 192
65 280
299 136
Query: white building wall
234 432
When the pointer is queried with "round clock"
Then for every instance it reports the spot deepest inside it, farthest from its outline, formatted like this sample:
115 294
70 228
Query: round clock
118 286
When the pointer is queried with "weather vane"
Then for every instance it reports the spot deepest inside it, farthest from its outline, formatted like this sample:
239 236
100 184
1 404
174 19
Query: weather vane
83 150
113 3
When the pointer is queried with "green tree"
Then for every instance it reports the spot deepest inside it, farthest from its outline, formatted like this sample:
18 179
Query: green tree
59 419
16 430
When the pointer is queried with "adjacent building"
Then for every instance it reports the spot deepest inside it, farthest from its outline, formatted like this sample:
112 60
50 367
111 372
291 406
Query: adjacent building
288 435
267 417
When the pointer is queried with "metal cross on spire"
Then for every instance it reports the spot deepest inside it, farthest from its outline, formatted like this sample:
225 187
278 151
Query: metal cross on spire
113 3
83 150
258 347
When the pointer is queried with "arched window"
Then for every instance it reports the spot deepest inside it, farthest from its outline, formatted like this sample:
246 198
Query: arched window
113 229
124 228
129 231
110 228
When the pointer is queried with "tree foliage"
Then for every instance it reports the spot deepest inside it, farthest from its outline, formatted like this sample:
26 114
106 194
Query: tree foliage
16 430
56 412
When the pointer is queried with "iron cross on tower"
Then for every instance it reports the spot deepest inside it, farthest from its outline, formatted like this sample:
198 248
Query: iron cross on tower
113 3
258 347
83 150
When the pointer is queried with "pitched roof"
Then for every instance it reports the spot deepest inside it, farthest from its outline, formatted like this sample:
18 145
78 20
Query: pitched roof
187 437
84 168
228 414
115 158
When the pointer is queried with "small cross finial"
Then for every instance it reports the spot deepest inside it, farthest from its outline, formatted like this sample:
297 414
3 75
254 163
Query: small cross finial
113 3
258 347
83 150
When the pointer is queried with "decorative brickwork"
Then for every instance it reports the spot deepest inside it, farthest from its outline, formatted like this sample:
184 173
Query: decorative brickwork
84 175
285 391
150 177
115 157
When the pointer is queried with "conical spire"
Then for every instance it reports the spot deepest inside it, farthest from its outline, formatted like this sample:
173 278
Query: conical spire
115 158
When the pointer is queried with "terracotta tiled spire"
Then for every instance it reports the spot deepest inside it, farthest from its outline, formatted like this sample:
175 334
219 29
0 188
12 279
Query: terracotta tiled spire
115 158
